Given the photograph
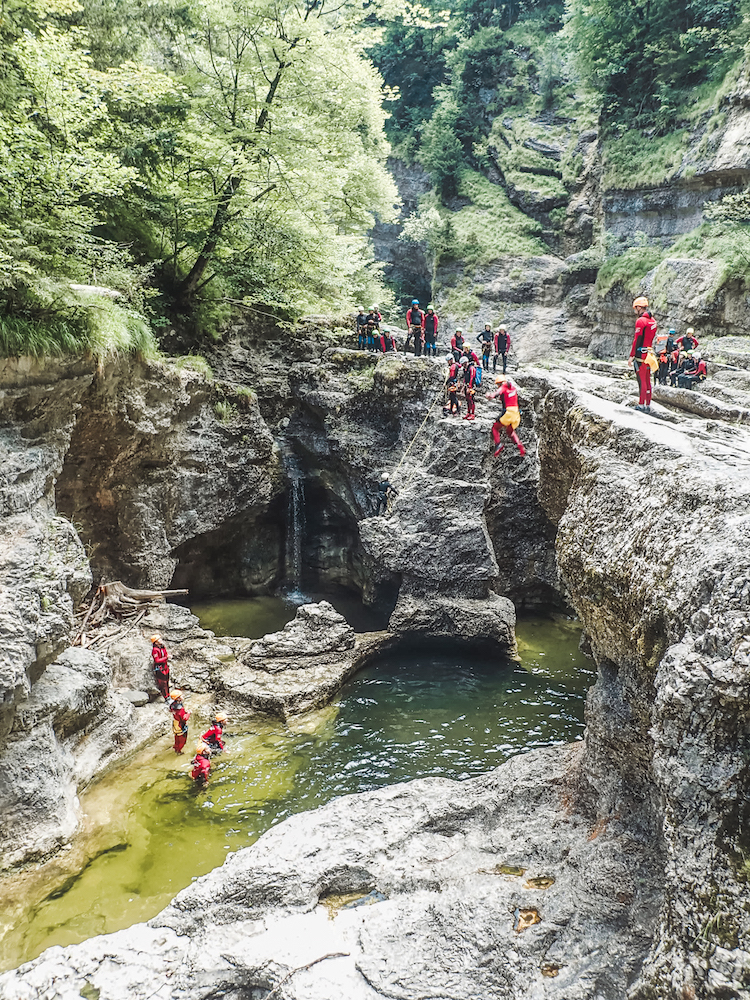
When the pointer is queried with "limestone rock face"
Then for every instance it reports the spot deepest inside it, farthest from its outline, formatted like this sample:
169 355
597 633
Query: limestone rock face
484 888
154 469
491 620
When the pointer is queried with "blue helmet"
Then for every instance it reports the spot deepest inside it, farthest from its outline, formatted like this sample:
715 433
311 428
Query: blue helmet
415 302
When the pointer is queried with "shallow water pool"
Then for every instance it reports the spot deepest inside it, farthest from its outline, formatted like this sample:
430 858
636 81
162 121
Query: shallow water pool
148 832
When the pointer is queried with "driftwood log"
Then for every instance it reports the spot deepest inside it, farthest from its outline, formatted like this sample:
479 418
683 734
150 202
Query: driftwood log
116 601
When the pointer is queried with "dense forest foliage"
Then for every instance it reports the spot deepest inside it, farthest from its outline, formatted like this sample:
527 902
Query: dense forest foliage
189 154
197 155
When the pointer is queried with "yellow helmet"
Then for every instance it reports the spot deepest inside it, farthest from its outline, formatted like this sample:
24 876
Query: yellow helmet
155 638
200 746
499 381
640 302
175 695
221 716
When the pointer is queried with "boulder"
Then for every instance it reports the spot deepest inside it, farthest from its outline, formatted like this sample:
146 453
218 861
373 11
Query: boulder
480 622
315 629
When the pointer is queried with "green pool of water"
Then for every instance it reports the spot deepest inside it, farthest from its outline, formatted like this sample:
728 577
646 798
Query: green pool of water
148 832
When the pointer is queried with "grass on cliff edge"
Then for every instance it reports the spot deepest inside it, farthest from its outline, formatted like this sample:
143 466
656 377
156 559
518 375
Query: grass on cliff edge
100 329
726 245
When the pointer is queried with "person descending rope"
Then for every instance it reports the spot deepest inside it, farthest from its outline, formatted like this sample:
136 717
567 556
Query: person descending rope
373 319
430 332
415 327
160 656
502 347
385 493
470 378
201 764
361 322
645 331
509 417
485 339
457 344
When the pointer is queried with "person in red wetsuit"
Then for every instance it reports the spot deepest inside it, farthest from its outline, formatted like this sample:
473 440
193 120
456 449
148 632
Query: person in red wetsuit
415 327
430 332
510 416
160 656
180 717
470 376
471 354
645 331
687 342
213 736
457 344
201 765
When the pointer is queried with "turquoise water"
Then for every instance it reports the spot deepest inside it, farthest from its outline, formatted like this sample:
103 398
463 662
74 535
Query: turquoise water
148 831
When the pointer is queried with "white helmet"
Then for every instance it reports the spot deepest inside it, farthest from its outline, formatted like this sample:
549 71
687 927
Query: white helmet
697 355
384 477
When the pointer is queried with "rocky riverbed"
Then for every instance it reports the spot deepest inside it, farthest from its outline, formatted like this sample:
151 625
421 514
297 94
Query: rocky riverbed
640 523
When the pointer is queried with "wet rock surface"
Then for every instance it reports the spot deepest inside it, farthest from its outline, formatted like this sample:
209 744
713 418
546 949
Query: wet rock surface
401 892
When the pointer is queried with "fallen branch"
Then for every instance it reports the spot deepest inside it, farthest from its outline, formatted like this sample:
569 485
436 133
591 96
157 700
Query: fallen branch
301 968
115 600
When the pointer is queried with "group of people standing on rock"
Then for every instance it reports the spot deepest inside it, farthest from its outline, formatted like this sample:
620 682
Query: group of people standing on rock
211 742
665 356
421 336
463 379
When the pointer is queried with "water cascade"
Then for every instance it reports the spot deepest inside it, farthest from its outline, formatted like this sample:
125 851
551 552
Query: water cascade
295 527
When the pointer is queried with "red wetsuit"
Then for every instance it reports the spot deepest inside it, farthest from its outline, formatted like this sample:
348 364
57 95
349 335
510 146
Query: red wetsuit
201 768
180 718
457 345
686 343
470 376
502 347
414 317
509 418
645 331
213 736
161 668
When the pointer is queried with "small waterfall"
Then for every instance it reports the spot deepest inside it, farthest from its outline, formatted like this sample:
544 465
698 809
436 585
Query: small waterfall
295 527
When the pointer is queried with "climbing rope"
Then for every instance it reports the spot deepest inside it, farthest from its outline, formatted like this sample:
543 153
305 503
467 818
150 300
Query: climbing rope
440 393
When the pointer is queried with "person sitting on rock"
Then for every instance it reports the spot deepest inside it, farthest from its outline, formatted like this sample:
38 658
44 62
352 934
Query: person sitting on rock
457 344
213 737
385 492
470 378
201 764
502 346
180 717
430 332
509 417
160 656
691 371
373 320
361 328
485 339
387 340
663 372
